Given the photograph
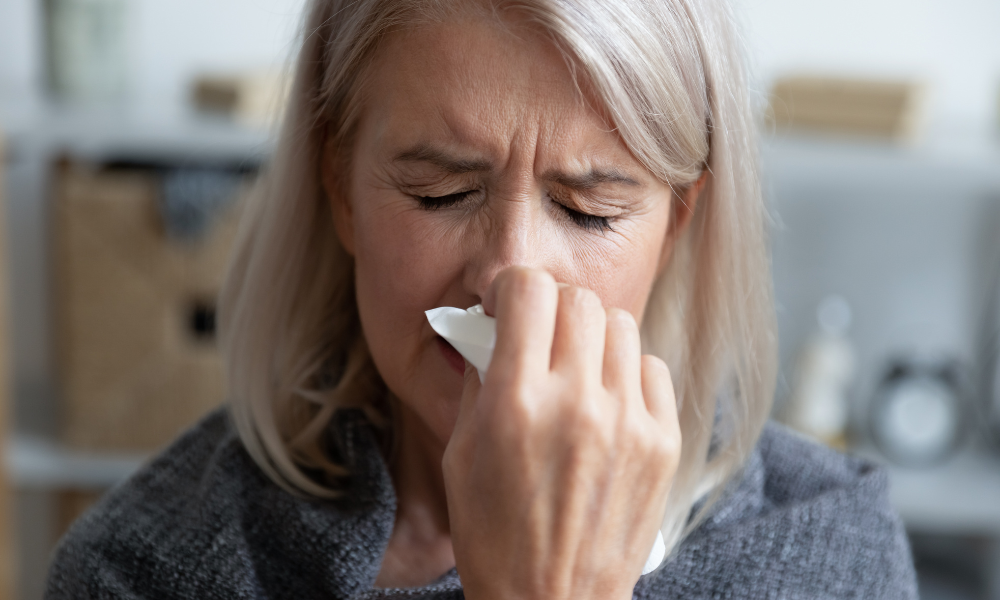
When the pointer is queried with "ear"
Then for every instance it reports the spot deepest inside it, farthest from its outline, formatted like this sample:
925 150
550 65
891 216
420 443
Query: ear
334 174
682 208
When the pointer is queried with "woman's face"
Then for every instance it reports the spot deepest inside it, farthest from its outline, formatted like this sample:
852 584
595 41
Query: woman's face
476 152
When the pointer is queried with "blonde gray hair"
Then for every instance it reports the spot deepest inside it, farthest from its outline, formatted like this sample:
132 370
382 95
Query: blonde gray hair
671 77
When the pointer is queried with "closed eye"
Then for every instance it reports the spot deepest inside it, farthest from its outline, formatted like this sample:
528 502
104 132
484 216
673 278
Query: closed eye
589 222
436 202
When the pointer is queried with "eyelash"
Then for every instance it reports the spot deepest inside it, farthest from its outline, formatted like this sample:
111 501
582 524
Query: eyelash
589 222
436 202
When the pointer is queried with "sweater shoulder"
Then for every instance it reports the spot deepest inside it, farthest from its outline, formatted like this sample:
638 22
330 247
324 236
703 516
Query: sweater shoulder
797 469
801 521
159 520
202 520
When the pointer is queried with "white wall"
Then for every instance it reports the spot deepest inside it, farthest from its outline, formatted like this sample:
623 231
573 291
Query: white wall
953 44
19 59
171 41
175 39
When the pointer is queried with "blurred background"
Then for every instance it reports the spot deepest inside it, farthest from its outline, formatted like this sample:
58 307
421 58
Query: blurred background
130 129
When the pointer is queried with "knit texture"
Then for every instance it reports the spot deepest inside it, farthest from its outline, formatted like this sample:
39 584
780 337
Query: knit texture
202 521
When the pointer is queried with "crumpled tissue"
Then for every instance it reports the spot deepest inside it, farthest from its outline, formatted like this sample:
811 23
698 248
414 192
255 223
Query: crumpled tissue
469 331
474 334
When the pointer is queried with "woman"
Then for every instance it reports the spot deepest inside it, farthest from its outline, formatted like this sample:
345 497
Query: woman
585 170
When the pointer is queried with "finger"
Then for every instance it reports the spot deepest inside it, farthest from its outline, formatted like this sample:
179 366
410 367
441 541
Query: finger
658 392
470 391
623 356
524 303
456 458
578 343
490 298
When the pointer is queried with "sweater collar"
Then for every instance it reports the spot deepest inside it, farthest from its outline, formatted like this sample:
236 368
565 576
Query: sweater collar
367 511
359 523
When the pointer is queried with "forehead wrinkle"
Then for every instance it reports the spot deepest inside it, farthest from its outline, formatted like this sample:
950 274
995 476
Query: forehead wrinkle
453 87
513 118
591 155
426 152
590 179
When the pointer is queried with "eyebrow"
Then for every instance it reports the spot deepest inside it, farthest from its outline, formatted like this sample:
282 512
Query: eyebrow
460 166
590 179
451 164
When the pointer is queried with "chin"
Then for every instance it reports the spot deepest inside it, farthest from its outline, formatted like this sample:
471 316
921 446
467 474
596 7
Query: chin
440 409
431 396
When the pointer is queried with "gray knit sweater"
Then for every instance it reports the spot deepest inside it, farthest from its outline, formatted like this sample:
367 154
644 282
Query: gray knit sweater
202 521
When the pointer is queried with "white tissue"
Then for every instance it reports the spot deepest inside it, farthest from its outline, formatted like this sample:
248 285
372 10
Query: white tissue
471 332
655 555
474 334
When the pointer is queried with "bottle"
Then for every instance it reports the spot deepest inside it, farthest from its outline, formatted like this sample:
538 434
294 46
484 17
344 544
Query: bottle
818 405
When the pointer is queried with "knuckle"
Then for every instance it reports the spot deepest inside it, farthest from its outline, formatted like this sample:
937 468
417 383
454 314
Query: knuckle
518 408
448 459
650 442
593 425
451 461
519 413
654 366
579 300
640 442
621 322
588 418
523 280
666 451
655 363
618 317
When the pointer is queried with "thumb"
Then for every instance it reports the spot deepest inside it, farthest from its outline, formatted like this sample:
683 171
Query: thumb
470 392
455 461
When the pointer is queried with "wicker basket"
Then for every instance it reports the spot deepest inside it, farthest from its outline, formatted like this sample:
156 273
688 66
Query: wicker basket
134 308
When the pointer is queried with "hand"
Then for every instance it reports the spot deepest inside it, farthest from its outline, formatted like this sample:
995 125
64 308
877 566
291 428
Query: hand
559 466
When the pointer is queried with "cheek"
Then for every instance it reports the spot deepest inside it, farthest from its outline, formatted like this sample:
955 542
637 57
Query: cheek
398 256
622 268
406 262
404 266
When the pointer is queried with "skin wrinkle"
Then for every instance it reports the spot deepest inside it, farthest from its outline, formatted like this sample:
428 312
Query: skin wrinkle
705 298
585 180
517 131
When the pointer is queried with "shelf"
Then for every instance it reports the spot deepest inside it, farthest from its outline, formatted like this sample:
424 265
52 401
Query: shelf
958 497
36 463
135 132
943 155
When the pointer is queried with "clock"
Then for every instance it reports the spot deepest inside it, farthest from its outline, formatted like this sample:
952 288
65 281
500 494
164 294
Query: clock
918 416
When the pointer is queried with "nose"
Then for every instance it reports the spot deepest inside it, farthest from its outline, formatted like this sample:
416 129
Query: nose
511 234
